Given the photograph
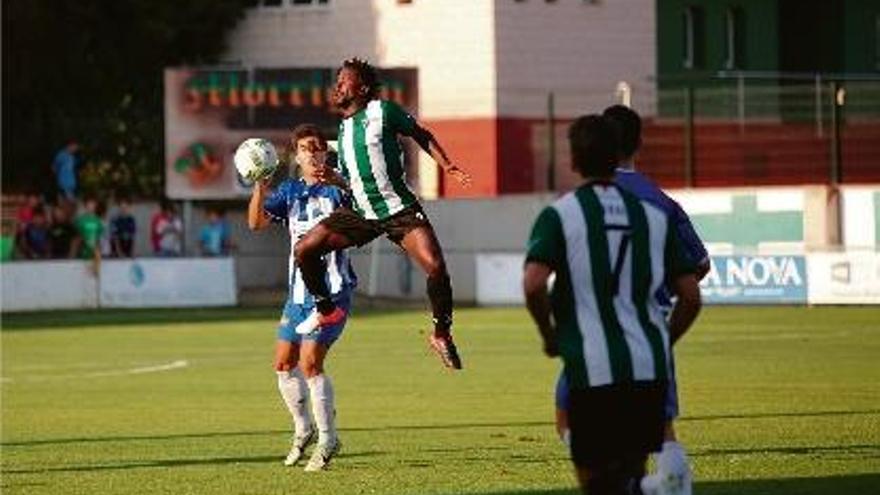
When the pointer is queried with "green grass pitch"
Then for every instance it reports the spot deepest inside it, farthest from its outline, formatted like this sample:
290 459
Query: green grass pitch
775 401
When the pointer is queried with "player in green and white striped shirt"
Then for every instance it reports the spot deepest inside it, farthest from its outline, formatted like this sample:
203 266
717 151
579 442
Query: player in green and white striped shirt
372 169
611 254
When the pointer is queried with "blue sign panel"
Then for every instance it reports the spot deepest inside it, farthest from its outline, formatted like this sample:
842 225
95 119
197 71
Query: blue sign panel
756 280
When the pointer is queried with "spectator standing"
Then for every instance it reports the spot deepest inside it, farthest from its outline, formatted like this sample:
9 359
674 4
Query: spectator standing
64 166
214 237
122 230
7 241
166 230
61 234
35 237
25 212
90 228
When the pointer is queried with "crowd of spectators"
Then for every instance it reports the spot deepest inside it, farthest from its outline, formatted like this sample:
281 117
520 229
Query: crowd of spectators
67 229
71 226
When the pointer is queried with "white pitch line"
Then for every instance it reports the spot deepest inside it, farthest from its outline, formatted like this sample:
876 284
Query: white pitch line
174 365
180 363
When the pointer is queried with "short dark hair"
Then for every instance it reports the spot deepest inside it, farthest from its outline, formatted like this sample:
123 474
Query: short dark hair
628 126
593 146
307 130
367 74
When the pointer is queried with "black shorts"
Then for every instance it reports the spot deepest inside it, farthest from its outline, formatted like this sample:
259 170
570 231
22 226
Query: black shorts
360 230
616 423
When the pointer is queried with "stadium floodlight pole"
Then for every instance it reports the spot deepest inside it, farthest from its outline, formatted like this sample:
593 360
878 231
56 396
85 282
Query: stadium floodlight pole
741 103
689 136
838 98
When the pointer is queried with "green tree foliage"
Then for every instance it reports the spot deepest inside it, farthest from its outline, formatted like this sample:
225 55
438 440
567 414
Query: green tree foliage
91 70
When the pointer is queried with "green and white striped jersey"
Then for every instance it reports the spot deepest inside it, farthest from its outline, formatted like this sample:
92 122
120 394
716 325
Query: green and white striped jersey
371 159
611 254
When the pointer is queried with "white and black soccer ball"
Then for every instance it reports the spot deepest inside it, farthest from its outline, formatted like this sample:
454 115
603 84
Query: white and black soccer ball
256 159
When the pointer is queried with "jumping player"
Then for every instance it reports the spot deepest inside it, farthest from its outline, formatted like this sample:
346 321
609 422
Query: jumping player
371 164
300 354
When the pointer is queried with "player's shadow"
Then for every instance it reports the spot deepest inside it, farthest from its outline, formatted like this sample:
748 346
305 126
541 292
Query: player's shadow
428 427
172 463
49 320
854 484
45 320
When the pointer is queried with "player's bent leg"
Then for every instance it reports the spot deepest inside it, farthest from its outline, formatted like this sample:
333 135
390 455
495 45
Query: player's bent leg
292 385
309 252
323 406
422 246
312 356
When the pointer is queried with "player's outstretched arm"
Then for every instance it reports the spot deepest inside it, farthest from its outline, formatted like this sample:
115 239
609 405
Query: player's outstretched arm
429 143
687 307
538 303
257 219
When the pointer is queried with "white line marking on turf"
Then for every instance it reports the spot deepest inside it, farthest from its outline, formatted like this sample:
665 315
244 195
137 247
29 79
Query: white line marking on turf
180 363
174 365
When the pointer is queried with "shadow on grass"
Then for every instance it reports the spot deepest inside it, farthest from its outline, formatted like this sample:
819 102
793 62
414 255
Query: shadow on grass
48 320
853 484
449 426
172 463
139 438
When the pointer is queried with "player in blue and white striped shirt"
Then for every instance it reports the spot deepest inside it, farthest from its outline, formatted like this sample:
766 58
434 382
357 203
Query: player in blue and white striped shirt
300 203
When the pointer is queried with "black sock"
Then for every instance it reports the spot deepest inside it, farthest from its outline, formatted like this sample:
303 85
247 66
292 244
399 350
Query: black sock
440 294
313 269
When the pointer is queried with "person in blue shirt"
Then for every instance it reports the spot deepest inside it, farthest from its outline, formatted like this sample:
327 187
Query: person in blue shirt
628 125
122 230
214 237
300 204
64 166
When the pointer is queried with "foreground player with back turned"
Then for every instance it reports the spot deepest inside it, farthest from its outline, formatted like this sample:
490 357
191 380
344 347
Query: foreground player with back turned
299 354
628 125
610 252
371 164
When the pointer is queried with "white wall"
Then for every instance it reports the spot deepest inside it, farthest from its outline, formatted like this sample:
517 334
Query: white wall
576 48
449 41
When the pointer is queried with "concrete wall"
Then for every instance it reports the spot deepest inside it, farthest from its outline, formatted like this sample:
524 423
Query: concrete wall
578 49
450 42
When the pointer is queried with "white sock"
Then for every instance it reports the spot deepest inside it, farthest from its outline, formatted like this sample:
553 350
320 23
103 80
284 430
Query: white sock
674 468
294 391
323 407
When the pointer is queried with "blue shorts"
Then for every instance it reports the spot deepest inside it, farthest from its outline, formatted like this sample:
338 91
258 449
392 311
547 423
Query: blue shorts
670 404
294 314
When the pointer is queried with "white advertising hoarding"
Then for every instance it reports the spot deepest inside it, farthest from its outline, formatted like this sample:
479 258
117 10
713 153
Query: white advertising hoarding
851 277
499 278
41 285
144 283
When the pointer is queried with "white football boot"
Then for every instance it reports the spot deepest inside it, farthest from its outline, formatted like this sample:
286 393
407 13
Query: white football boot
322 455
298 447
673 476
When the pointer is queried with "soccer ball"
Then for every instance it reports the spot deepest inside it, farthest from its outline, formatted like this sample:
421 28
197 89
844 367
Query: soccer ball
256 159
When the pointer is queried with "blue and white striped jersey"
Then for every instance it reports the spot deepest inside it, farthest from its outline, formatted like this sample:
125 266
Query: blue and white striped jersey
301 207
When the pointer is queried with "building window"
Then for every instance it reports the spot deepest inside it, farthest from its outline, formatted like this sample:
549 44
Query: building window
734 33
692 37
